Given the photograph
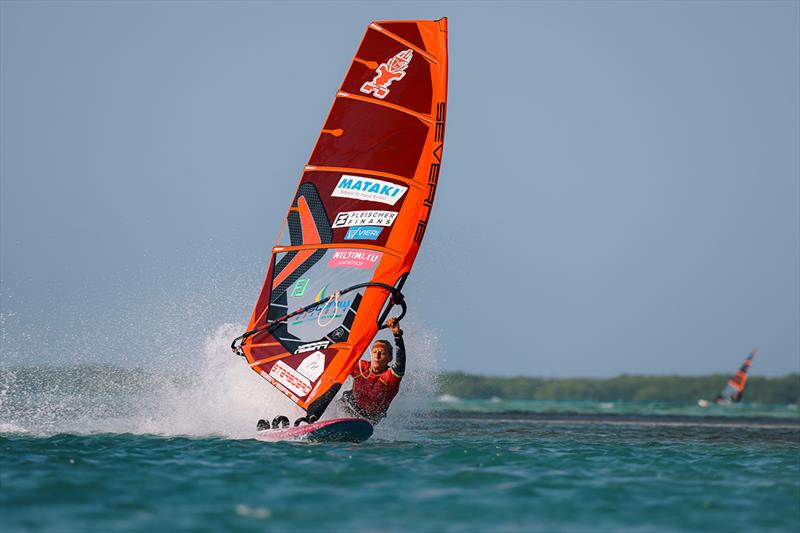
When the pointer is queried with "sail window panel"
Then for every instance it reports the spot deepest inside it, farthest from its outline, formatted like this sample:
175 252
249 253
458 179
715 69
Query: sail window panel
259 314
373 138
332 270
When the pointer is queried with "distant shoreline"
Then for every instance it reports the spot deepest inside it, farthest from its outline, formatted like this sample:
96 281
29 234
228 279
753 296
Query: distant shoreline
774 390
777 390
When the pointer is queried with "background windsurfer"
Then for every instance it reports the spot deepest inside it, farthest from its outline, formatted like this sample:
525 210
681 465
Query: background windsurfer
376 382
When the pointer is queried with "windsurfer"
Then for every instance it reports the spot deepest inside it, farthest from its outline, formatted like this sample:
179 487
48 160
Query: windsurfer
376 382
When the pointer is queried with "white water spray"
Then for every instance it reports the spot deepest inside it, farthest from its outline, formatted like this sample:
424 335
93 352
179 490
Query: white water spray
213 393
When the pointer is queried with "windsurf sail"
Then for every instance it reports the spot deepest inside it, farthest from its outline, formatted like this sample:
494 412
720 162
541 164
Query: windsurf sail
358 217
734 389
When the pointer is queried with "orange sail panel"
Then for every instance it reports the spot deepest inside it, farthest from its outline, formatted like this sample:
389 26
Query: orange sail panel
358 216
734 389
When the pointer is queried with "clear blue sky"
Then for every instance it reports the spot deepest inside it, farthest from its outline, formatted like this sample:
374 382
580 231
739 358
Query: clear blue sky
620 190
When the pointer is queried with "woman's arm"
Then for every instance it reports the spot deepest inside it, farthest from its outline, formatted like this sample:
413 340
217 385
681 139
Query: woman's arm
398 366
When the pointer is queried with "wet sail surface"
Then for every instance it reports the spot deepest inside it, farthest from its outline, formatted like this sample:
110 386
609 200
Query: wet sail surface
358 217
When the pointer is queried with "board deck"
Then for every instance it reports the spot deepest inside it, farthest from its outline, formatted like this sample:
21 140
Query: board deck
335 430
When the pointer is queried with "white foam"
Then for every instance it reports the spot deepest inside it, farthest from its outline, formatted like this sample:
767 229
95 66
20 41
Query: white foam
213 394
448 398
11 428
223 397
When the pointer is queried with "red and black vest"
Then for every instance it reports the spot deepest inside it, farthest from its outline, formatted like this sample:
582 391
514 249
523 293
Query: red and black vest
373 393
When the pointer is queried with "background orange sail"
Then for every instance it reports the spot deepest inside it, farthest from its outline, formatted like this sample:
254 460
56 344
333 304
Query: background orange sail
735 387
359 215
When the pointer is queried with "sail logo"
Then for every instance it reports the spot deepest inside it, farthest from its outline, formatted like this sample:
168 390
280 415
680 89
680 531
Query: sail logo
393 70
347 219
322 312
312 366
354 259
299 288
368 189
364 233
319 345
290 378
338 334
433 171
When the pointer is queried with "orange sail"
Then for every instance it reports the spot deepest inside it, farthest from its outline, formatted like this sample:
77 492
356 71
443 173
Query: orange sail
358 217
733 390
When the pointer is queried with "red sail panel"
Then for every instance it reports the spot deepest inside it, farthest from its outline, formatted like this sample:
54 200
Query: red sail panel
359 214
738 381
735 386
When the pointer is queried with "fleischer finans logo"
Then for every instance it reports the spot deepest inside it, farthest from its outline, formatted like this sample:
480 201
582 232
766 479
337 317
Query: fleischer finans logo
393 70
347 219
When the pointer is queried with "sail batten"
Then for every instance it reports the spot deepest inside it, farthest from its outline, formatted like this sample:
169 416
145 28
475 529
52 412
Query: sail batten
333 245
402 41
352 170
421 116
357 219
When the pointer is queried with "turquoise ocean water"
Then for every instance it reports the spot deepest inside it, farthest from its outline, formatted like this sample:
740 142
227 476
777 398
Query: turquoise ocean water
103 450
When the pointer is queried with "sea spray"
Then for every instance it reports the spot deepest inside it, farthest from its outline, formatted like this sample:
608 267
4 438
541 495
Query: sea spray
221 396
211 393
419 386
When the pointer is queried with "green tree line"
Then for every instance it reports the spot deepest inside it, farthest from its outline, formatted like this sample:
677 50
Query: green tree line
779 390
